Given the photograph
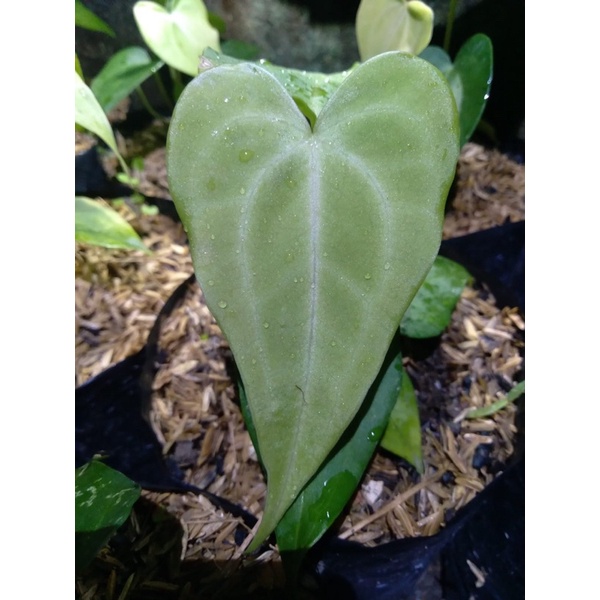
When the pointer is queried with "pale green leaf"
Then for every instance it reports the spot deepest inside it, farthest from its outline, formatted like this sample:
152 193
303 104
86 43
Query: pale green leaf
310 90
89 114
178 36
98 224
384 25
309 244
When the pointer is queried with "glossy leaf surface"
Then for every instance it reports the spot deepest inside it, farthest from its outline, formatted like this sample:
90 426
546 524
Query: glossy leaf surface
431 310
98 224
309 244
323 499
384 25
470 78
103 501
123 72
402 435
178 36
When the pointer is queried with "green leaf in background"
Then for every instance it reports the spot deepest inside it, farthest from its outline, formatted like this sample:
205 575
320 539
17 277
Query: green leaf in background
310 244
102 226
402 435
328 492
431 310
103 501
122 74
89 114
85 18
240 50
470 78
384 25
310 90
179 35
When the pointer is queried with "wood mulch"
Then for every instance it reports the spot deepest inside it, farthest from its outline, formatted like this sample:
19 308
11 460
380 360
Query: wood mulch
196 415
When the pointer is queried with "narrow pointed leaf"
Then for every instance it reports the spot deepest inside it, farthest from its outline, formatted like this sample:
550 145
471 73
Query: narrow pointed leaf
178 36
402 435
310 244
89 114
431 310
85 18
123 72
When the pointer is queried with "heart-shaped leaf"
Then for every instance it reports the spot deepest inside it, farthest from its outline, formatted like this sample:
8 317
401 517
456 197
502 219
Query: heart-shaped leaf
310 90
383 25
309 244
178 36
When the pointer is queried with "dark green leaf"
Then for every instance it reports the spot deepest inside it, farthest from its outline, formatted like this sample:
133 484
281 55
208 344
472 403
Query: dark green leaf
85 18
102 226
103 501
241 50
431 309
122 74
470 78
402 435
323 499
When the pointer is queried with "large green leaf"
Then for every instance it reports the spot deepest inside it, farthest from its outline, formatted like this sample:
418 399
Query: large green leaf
89 114
123 72
179 35
102 226
309 244
103 501
431 310
402 435
470 78
383 25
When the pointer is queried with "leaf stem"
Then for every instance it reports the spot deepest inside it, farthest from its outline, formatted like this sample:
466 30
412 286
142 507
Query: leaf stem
450 24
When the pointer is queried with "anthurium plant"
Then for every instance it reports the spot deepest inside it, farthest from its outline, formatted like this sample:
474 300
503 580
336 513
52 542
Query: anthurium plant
314 206
311 240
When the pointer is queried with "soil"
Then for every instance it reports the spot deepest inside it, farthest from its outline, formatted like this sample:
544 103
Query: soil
181 545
